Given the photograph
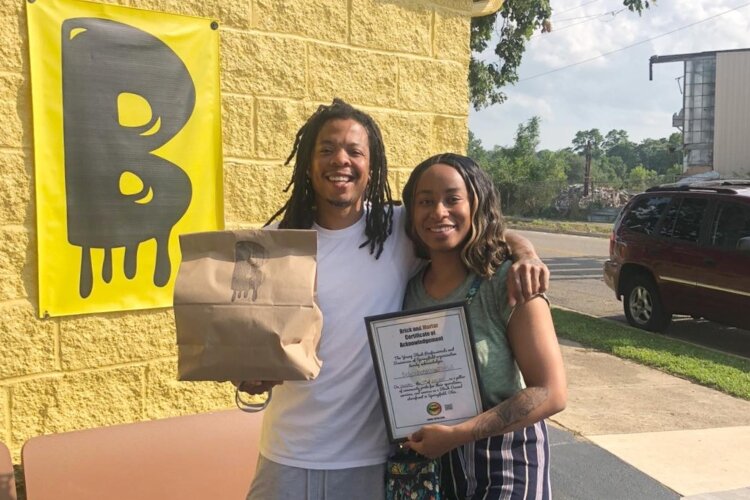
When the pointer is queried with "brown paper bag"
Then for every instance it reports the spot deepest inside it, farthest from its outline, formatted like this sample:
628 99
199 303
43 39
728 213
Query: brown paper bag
244 304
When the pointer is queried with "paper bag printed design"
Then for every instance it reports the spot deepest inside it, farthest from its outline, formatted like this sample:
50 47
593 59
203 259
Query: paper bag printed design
249 258
245 308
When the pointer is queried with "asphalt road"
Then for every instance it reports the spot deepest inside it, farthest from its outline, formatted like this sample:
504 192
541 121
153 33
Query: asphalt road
581 470
576 283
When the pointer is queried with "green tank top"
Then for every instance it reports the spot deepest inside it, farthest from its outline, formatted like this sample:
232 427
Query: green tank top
489 313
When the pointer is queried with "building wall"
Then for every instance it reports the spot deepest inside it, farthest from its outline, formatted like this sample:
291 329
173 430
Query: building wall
403 61
732 115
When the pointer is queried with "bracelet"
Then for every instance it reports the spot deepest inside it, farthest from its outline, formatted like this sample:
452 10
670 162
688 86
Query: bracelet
248 406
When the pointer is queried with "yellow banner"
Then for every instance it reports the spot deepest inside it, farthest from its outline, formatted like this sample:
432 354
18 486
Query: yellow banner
127 150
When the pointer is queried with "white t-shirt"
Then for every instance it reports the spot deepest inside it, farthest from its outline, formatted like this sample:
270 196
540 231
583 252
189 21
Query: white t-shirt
335 421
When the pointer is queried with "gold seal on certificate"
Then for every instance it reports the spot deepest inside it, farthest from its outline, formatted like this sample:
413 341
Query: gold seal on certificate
424 360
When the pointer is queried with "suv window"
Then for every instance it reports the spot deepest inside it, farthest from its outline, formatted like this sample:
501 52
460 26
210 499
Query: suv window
683 219
645 213
732 223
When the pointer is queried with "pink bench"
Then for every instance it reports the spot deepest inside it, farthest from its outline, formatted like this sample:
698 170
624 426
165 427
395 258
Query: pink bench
210 455
7 480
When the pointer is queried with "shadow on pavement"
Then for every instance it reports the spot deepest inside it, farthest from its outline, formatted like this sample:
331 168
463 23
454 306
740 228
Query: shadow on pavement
580 470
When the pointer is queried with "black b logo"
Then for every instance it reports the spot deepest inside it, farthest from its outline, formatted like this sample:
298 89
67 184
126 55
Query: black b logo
118 192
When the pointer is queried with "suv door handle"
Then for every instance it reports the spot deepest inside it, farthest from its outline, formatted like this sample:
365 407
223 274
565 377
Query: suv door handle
709 262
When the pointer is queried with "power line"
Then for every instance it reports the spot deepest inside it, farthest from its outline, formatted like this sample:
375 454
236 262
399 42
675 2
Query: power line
613 13
574 8
587 18
590 16
632 45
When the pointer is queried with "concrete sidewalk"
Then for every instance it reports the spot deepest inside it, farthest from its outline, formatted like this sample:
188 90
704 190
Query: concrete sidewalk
694 440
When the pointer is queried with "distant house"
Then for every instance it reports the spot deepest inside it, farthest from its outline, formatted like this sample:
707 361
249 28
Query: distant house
715 114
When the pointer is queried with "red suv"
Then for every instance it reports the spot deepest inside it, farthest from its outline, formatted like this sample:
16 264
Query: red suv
683 249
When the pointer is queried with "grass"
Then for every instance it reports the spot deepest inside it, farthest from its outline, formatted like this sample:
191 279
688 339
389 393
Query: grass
561 226
726 373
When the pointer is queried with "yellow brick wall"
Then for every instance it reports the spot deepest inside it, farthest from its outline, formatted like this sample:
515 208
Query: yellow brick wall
403 61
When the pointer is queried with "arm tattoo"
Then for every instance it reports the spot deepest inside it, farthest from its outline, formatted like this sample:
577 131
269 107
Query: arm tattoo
497 420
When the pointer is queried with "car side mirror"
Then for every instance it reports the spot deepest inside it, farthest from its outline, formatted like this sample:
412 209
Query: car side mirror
743 244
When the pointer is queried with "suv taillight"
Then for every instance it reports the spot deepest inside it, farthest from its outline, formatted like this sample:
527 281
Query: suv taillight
612 244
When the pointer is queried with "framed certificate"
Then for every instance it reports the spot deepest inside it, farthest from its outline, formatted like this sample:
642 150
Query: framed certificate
425 363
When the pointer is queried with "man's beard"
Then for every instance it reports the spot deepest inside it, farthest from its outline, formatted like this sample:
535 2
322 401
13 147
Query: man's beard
340 203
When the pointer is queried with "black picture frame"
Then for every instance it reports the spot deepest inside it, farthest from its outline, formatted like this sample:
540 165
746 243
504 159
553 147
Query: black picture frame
426 367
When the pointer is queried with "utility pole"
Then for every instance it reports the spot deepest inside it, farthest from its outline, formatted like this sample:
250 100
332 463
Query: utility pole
587 169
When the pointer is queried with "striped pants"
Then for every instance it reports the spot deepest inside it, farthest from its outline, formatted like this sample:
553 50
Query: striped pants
514 466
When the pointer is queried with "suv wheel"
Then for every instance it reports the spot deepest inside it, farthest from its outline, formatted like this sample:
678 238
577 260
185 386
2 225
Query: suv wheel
642 304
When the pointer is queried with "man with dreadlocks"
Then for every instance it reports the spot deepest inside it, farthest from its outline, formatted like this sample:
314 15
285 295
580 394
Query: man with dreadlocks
325 439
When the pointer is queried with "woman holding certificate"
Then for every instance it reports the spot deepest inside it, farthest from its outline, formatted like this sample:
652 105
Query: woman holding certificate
453 218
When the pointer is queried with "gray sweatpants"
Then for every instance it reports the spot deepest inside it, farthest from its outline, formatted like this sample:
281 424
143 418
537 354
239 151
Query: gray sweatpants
281 482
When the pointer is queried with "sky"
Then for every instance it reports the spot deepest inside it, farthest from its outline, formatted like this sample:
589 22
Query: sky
612 91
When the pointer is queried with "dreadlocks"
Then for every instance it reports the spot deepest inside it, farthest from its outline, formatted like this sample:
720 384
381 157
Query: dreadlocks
299 210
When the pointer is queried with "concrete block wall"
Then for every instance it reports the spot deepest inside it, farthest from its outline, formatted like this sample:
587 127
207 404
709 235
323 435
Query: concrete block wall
403 61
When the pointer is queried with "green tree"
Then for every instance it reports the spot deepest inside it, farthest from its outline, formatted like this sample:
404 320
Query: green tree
588 139
673 173
609 170
526 141
527 180
614 138
641 177
574 165
620 151
476 151
588 143
658 154
510 166
517 20
550 167
626 152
